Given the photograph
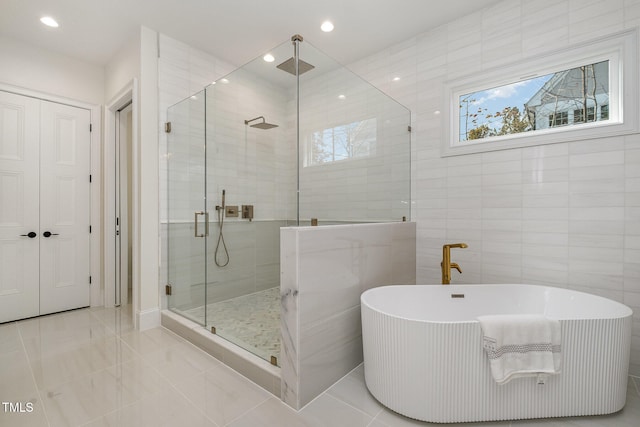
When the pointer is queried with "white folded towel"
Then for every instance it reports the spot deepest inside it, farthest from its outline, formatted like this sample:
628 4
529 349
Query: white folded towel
521 345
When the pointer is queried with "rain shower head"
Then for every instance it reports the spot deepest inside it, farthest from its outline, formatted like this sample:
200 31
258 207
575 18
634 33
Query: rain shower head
290 66
262 125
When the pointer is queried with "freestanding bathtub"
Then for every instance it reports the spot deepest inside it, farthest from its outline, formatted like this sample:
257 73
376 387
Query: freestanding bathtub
423 355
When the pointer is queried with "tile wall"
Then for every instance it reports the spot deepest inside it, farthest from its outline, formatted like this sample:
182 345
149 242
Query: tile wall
367 188
564 215
254 166
324 271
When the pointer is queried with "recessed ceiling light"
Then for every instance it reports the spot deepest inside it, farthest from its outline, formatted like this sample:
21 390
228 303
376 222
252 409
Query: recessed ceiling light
268 58
327 26
49 21
225 81
342 97
395 79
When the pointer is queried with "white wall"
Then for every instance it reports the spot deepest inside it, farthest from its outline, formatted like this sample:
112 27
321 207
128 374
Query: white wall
122 68
148 216
138 59
565 215
122 73
52 73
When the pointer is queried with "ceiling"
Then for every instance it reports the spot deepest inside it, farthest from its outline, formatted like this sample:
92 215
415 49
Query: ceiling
233 30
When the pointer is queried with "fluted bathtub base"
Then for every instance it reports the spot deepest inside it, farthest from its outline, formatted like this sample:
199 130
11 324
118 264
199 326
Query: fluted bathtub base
438 371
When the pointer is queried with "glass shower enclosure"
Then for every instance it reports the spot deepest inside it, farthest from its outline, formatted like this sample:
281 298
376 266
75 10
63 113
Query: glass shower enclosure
292 138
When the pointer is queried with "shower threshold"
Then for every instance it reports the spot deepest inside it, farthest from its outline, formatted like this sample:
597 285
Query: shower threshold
244 362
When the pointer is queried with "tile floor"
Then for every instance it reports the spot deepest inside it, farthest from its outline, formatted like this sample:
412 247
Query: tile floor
90 368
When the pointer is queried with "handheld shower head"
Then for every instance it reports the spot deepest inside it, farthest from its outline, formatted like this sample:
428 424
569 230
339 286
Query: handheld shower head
223 205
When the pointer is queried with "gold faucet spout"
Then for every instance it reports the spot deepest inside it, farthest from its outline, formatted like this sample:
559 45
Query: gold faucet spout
457 245
446 264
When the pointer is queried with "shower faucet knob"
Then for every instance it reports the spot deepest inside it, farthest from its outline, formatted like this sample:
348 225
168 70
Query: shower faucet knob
247 212
231 211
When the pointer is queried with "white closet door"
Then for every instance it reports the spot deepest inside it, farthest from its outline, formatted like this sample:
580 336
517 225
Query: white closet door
19 176
64 207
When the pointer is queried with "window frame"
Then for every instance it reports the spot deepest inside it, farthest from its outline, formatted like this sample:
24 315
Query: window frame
619 49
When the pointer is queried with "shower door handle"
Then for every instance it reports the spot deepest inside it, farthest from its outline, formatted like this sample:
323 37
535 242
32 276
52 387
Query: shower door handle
206 224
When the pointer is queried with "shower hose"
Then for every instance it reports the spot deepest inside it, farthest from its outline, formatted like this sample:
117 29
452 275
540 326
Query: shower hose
221 237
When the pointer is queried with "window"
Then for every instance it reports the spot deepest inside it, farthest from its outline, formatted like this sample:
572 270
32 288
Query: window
522 106
578 115
342 142
559 118
563 96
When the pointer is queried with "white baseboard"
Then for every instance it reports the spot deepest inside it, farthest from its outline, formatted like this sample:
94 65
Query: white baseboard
148 319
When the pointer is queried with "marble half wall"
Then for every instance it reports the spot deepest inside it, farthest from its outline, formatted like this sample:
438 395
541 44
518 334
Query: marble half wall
324 270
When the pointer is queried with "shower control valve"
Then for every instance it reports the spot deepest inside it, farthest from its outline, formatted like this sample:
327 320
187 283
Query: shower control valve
231 211
247 212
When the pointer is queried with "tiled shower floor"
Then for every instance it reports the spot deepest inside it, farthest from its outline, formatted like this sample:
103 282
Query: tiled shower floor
249 321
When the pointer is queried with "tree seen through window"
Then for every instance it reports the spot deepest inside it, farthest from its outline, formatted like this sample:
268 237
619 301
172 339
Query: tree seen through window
342 142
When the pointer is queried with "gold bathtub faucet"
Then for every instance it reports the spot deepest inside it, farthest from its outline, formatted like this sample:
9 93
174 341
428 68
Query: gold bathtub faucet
446 263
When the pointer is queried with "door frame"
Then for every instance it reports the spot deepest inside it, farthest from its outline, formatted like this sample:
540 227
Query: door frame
95 211
127 94
123 158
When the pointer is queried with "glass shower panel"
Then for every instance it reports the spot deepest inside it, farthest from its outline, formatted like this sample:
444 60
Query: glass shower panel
355 147
251 157
186 216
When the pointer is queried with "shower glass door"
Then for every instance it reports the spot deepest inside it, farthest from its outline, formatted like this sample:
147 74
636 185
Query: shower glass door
186 222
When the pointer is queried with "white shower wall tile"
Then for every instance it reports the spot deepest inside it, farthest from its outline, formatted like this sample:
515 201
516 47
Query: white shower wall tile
584 200
324 272
597 18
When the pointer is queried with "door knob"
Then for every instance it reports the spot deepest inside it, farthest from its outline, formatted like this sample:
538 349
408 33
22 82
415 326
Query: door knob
49 234
31 235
